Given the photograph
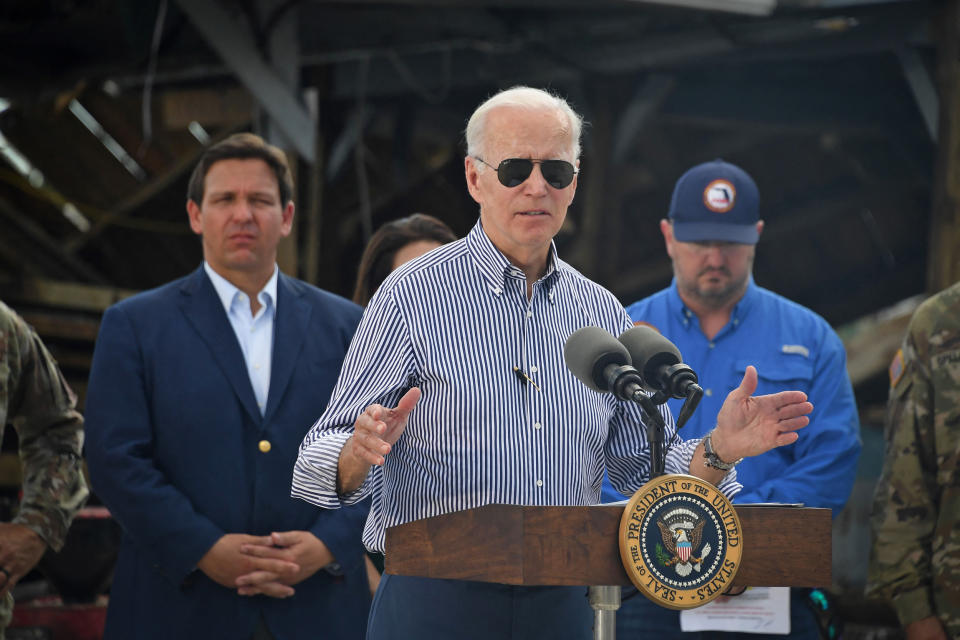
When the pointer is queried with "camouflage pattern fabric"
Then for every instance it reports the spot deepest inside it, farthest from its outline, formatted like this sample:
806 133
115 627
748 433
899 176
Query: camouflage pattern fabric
36 400
915 558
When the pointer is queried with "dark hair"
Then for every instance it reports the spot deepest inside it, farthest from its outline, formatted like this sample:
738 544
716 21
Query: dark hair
242 146
377 260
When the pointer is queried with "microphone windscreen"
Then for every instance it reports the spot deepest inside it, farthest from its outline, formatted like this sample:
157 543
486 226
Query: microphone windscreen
587 353
649 351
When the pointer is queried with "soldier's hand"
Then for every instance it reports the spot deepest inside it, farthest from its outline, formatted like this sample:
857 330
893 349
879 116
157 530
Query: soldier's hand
926 629
20 549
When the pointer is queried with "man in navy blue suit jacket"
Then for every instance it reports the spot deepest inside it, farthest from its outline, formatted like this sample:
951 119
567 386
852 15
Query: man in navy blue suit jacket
199 396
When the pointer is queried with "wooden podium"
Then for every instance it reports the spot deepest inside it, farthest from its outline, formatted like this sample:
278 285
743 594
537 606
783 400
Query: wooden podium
568 546
523 545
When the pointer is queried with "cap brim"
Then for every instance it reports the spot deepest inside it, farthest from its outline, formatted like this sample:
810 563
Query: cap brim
715 232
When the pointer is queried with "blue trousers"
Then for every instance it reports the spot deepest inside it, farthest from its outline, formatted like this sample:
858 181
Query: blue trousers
407 608
640 618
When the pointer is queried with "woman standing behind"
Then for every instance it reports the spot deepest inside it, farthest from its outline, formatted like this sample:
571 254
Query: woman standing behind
393 244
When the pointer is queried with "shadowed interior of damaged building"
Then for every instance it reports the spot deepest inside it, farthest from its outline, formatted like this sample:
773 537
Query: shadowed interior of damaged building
844 111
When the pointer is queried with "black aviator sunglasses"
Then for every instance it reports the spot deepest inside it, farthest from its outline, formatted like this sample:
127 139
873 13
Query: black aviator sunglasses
513 172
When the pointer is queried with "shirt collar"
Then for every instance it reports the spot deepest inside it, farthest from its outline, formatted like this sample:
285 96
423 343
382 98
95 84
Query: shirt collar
494 266
678 308
227 291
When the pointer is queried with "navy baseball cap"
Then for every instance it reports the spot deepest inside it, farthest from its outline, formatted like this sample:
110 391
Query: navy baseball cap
715 201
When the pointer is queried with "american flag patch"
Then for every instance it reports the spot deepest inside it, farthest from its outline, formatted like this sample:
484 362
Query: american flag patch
896 368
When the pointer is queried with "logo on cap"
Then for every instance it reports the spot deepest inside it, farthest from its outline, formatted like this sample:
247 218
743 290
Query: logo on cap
719 196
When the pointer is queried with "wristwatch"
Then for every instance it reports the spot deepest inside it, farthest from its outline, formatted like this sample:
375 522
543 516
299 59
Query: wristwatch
710 457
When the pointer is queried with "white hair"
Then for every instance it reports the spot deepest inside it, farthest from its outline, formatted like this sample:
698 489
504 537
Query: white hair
524 98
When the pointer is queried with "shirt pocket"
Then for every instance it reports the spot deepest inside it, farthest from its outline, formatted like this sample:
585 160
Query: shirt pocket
787 372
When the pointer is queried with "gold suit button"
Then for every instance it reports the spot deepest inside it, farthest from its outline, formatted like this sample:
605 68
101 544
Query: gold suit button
265 446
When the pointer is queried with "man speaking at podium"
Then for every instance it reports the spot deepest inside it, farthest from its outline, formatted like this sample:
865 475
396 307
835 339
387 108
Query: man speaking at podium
454 393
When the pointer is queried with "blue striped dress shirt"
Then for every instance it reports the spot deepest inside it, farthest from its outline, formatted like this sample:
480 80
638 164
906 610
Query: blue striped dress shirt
455 322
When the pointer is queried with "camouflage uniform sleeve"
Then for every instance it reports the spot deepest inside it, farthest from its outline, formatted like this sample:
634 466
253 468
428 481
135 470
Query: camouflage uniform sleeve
41 407
905 511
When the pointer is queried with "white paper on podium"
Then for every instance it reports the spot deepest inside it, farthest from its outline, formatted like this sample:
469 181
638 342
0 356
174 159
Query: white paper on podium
756 610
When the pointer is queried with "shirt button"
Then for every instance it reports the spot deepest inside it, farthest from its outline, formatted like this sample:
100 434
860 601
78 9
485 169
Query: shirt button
711 345
537 425
736 321
539 483
264 446
708 392
529 313
497 290
533 369
257 367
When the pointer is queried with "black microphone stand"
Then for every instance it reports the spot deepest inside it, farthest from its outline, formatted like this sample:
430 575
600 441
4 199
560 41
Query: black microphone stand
656 428
694 393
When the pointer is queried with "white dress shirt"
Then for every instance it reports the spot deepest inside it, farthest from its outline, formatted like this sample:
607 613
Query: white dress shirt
254 332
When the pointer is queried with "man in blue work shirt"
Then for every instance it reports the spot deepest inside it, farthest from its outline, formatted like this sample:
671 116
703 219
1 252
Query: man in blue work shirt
722 321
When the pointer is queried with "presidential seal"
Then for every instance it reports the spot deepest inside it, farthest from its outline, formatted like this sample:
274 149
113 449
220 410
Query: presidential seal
680 541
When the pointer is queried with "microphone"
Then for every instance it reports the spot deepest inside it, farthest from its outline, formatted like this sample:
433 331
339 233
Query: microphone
602 362
659 362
